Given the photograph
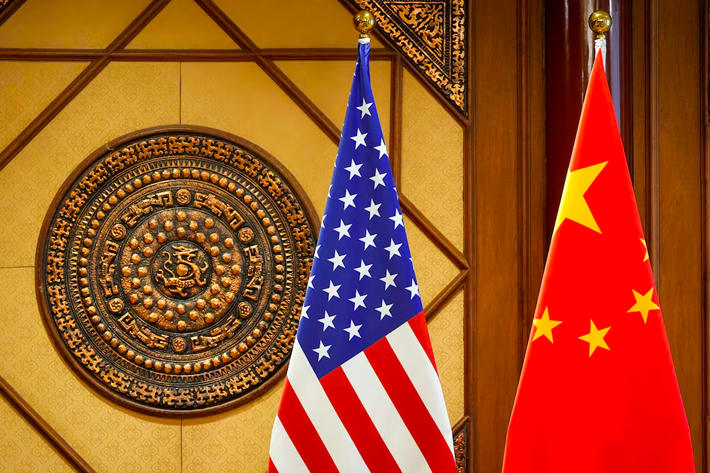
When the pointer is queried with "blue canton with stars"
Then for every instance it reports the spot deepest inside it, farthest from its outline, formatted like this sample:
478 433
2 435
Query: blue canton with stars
362 284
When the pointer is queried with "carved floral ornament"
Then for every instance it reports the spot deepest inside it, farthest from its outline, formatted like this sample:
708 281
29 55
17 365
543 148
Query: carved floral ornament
432 35
172 270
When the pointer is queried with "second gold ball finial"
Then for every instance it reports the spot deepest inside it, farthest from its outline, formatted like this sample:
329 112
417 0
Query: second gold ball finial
600 22
364 22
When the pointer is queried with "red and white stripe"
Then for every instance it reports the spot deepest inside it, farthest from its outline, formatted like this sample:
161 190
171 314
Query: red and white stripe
381 411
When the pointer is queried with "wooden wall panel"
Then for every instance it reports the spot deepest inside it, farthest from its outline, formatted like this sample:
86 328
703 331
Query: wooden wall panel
668 148
679 159
496 341
508 194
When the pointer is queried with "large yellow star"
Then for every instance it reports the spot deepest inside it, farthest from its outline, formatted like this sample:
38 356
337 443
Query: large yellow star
573 206
595 338
643 304
544 326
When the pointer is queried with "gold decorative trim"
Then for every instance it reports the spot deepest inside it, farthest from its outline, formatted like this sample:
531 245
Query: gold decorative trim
461 445
432 35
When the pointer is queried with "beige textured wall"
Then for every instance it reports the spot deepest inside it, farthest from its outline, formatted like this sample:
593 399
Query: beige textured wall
235 97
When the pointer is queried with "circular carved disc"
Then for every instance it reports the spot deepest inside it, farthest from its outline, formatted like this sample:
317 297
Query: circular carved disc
172 270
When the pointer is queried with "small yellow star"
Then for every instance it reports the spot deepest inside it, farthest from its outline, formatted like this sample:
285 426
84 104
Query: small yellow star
645 258
544 326
595 338
644 304
573 206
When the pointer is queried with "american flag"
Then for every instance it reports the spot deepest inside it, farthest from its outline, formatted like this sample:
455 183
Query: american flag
362 392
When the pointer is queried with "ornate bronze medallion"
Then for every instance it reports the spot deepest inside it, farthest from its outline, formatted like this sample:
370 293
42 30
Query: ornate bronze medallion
172 270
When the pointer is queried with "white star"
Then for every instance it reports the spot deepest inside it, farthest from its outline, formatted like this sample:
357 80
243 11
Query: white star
359 139
397 219
378 179
343 230
304 311
353 169
384 309
322 351
393 248
332 291
310 281
348 200
329 187
353 330
388 280
337 260
369 240
382 148
414 289
364 108
327 321
316 252
358 300
364 270
322 222
374 209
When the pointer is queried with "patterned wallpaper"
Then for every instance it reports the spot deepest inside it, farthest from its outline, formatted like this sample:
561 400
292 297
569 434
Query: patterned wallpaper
432 160
123 98
68 23
235 97
203 33
26 88
338 76
302 24
17 439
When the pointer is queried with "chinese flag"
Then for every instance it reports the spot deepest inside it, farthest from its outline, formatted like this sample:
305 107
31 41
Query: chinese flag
598 391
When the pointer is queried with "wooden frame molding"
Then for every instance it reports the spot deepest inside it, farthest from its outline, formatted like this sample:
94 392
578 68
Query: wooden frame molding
192 55
45 430
8 7
396 94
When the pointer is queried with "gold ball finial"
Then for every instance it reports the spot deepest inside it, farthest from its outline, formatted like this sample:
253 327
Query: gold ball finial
364 22
600 22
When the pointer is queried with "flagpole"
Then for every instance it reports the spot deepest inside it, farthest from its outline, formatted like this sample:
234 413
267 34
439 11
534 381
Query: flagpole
600 23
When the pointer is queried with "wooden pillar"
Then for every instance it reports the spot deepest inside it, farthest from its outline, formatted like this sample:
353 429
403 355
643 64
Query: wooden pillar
569 56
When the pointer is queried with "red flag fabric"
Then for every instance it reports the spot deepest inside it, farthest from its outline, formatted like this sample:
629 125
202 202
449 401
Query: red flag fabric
598 391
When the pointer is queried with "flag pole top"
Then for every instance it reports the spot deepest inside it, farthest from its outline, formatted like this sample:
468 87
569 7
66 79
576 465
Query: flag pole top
600 23
364 22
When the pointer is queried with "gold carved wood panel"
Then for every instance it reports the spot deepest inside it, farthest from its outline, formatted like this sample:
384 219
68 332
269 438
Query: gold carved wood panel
432 35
